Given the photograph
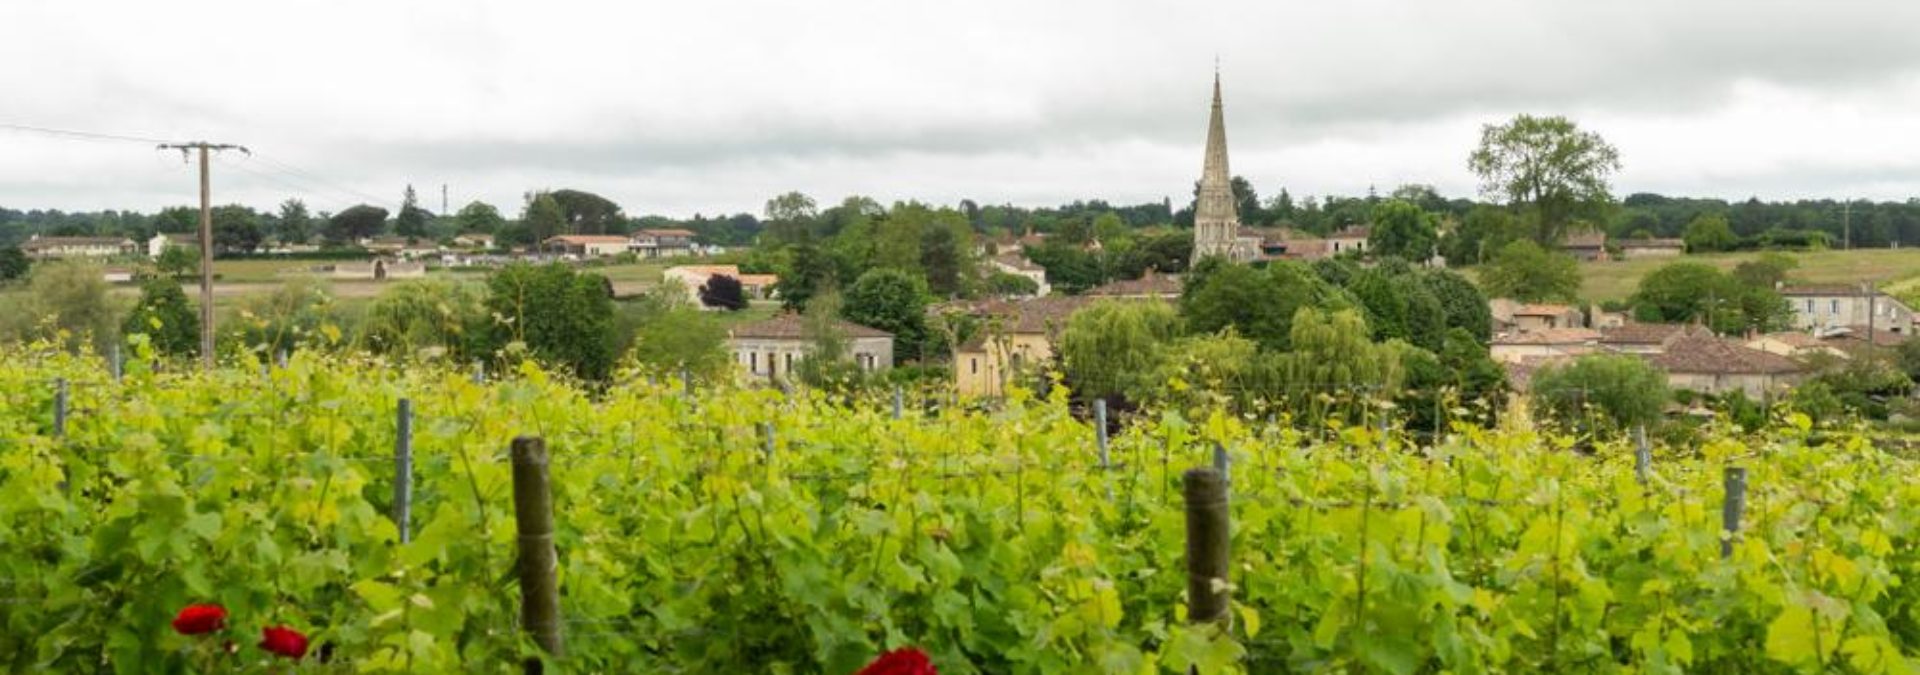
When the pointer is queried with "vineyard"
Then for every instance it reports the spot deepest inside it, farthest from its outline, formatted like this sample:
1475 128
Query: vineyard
711 529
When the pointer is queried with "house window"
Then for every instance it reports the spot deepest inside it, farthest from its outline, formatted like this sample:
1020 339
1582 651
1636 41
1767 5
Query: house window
1833 306
975 364
1809 305
753 362
789 361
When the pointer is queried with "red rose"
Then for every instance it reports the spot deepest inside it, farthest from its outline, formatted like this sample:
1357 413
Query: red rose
198 619
908 661
284 641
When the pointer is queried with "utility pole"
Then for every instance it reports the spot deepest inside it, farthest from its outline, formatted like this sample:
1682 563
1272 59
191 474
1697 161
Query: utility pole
443 200
1846 225
206 239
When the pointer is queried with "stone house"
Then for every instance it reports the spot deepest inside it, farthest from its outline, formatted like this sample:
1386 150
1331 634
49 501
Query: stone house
1711 365
1523 346
1348 239
45 248
1646 338
770 349
1017 264
1014 342
1793 344
1151 286
1589 246
1635 249
1826 306
586 245
693 277
666 243
1524 316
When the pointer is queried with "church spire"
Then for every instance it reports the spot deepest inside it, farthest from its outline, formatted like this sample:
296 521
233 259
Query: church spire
1216 221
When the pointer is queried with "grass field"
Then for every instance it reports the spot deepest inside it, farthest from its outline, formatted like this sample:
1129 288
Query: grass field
1889 268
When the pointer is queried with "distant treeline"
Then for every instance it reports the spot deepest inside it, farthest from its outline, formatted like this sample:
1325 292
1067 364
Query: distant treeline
1863 223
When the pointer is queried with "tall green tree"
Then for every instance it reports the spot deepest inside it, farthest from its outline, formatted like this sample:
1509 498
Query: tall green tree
791 217
1464 306
543 218
1480 235
1403 230
14 264
170 322
673 335
1688 291
1257 304
893 301
946 255
1601 393
355 223
1549 166
412 220
1111 349
1710 232
557 315
479 217
295 225
427 318
236 229
809 272
587 213
1524 271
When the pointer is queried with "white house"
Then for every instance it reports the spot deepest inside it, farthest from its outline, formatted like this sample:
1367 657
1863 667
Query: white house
662 243
1018 265
587 245
693 277
770 349
1820 306
78 247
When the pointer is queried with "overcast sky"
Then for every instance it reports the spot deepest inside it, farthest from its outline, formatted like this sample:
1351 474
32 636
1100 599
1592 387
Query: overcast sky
713 106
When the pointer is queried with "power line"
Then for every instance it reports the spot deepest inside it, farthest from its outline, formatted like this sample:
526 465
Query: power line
316 179
82 135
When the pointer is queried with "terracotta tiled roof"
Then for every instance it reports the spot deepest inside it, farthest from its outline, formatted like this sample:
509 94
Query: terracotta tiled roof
1825 290
1584 240
1652 243
1353 232
667 233
1712 355
1542 310
587 239
1018 262
1550 336
1030 316
1881 337
1794 339
789 326
55 242
708 270
1642 333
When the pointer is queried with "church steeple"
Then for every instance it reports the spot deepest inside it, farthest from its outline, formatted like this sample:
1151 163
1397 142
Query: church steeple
1216 221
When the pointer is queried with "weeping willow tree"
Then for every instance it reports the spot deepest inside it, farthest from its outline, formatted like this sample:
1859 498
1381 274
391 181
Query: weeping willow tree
426 317
1113 349
1334 369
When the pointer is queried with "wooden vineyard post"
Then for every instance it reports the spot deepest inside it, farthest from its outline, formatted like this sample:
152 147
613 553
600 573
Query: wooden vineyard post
686 381
539 568
1207 555
115 366
1730 508
479 372
1642 455
767 430
1222 463
60 408
403 468
1100 430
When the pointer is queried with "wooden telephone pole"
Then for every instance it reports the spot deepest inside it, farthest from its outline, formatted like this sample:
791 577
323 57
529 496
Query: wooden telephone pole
206 239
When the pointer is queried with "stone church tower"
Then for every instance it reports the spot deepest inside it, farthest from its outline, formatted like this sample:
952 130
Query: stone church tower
1216 221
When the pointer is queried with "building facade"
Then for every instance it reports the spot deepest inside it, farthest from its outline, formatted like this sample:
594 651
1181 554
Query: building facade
1827 306
662 243
771 349
46 248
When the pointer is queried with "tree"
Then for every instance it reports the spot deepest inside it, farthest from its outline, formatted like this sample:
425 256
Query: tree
827 365
170 323
1111 349
1548 165
808 273
1524 271
479 217
427 317
1007 284
1069 268
355 223
724 292
294 226
1332 356
178 261
556 315
946 255
673 336
791 216
1166 253
543 218
1482 233
1403 230
1462 303
588 213
1257 304
1686 291
412 221
13 264
71 299
1601 392
1768 271
1710 232
892 301
236 229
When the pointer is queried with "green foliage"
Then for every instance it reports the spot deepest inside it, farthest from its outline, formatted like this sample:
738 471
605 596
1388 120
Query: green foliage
177 262
1549 166
723 292
1111 349
479 217
828 366
1402 230
67 302
1685 291
1524 271
1166 252
13 264
1461 303
1398 306
1332 356
1710 232
171 324
412 220
1069 268
790 218
684 548
355 223
1008 284
1258 304
1768 271
673 336
427 318
236 229
892 301
1602 393
1480 235
295 224
543 218
588 213
556 315
300 313
809 272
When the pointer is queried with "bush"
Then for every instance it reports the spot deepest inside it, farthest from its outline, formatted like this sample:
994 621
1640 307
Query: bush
171 324
1601 393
